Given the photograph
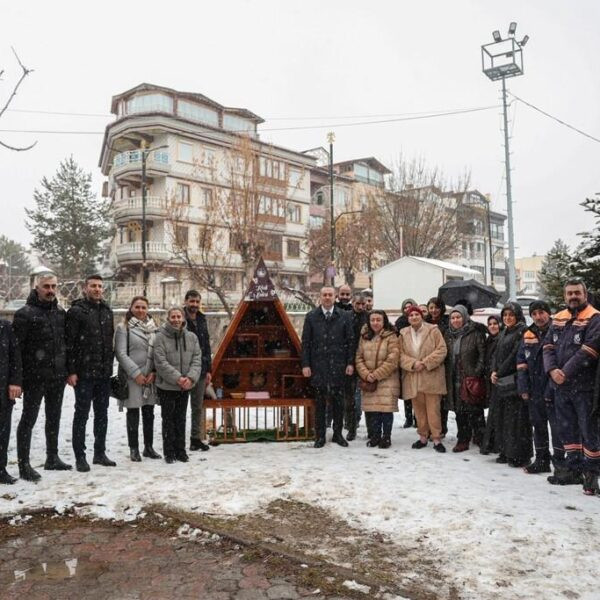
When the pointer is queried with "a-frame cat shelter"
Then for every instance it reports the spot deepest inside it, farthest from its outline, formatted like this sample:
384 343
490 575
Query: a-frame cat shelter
261 393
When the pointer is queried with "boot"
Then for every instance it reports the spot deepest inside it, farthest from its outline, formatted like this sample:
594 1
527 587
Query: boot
590 484
351 435
100 458
374 442
564 476
461 447
7 478
408 414
134 455
338 438
319 442
385 442
517 463
182 457
502 460
197 444
169 459
541 464
28 473
53 463
81 464
149 452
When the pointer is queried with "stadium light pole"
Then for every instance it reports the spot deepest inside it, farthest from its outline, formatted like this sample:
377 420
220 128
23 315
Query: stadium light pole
501 59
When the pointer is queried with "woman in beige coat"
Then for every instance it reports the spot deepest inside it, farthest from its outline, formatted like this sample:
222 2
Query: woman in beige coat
377 362
422 353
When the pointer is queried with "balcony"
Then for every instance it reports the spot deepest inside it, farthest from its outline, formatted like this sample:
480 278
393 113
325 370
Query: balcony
132 252
131 208
157 163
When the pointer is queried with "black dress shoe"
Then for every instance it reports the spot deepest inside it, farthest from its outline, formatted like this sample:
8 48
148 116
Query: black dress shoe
169 459
502 460
53 463
319 442
374 442
338 438
102 459
351 435
439 447
182 457
134 455
81 464
7 478
149 452
419 444
28 473
196 444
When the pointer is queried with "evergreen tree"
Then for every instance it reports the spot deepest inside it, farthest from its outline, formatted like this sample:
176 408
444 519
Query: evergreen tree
13 256
68 224
587 260
556 269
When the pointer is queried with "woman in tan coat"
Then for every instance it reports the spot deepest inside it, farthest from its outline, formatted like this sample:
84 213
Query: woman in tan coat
377 363
422 353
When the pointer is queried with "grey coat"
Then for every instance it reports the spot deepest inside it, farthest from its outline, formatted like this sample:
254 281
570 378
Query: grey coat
139 361
176 354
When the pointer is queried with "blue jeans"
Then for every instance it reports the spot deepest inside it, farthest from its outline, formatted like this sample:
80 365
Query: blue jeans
91 392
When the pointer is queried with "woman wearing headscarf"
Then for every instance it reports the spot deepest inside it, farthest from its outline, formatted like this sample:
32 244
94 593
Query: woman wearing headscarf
465 366
516 445
422 354
134 349
377 364
491 438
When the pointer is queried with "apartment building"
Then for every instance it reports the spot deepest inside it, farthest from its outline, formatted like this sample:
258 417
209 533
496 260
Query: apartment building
202 162
528 269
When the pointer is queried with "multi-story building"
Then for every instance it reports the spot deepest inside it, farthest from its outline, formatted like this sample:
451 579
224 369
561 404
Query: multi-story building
528 269
202 162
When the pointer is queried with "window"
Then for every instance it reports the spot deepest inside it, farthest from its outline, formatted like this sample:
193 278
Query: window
529 275
295 178
229 281
197 112
273 169
235 123
183 193
273 245
293 248
208 157
185 152
150 103
271 206
181 236
315 221
206 196
294 213
319 198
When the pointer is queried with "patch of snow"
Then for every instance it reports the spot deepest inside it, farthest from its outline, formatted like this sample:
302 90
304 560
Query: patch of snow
357 587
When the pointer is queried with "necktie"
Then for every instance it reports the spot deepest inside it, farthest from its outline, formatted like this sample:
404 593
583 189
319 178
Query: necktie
327 316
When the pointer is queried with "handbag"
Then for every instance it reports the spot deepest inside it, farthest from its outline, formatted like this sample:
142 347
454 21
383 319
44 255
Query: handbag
472 390
506 386
371 386
119 388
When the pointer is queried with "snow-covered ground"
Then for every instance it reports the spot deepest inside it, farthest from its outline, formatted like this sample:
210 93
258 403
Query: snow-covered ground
489 525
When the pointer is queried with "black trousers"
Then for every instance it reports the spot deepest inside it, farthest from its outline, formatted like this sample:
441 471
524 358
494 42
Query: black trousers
6 408
335 397
133 425
173 409
470 424
88 393
350 404
52 393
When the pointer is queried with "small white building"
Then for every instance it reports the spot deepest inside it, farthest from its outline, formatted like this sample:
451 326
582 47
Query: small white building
414 277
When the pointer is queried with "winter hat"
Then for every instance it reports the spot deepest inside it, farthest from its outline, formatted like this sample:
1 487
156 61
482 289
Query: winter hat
406 302
462 310
414 308
539 305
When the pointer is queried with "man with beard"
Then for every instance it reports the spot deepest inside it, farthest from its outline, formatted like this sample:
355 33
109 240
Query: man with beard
40 332
571 350
534 387
344 297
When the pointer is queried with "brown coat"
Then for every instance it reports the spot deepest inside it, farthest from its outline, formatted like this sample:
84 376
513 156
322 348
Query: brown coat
432 380
385 397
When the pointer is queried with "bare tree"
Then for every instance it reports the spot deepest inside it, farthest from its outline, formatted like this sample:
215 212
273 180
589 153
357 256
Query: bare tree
24 73
418 216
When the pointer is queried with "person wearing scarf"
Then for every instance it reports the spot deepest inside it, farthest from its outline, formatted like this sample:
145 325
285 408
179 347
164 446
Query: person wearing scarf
494 421
515 444
466 358
134 349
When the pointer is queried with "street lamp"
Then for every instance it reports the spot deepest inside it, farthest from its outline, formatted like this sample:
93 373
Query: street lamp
501 59
331 139
145 152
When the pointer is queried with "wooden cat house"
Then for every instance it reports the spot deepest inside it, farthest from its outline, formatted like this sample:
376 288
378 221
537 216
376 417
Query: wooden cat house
257 373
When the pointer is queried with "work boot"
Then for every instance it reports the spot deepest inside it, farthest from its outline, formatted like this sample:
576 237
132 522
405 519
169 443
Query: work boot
7 478
590 484
564 476
100 458
134 455
338 438
28 473
81 464
541 464
53 463
197 444
149 452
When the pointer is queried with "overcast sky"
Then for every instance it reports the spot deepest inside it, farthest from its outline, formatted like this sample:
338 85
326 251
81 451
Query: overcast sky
322 59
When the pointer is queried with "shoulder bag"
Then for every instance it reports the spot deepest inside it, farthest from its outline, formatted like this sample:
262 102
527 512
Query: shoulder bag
119 388
472 389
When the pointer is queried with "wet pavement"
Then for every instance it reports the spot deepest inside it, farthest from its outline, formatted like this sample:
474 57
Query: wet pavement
98 560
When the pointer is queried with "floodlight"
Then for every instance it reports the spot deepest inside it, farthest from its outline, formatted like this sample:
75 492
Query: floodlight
512 28
496 35
524 41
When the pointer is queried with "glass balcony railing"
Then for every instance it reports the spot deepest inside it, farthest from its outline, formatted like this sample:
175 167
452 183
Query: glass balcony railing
135 156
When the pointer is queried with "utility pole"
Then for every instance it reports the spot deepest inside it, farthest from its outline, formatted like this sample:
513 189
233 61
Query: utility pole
331 139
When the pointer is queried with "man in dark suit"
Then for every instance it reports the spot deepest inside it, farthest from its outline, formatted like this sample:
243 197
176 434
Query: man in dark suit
327 358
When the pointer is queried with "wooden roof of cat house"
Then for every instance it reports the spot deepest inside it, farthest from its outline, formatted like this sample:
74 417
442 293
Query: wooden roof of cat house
257 372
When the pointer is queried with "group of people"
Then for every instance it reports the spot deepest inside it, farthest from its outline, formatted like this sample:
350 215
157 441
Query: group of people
540 383
45 348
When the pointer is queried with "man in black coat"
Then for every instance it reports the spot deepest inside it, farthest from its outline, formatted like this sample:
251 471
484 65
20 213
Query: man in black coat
327 358
89 335
40 331
344 297
10 390
196 323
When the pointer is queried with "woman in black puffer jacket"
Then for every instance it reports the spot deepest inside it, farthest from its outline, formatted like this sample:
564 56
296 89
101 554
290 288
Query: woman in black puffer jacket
515 444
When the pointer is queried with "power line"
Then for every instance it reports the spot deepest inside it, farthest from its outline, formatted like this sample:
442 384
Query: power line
54 112
300 127
543 112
